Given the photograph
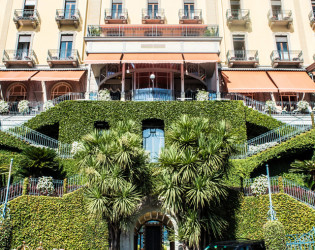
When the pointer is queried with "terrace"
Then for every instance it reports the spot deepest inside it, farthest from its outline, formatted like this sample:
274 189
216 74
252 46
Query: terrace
242 58
119 16
288 58
26 18
63 57
68 17
19 58
238 17
280 18
190 17
153 17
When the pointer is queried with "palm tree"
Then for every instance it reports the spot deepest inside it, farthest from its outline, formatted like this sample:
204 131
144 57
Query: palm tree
118 176
191 168
305 167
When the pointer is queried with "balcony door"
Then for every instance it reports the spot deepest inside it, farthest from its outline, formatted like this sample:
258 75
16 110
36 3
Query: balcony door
29 8
189 10
276 9
23 47
153 9
239 47
66 43
313 7
282 47
116 10
70 6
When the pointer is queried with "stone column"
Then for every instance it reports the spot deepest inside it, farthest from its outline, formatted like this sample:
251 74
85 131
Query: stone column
44 91
182 84
123 97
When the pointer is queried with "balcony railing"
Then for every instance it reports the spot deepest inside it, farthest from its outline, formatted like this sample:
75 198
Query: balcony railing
238 17
26 17
56 56
281 17
14 57
68 17
151 16
311 16
192 16
290 57
180 31
116 16
242 57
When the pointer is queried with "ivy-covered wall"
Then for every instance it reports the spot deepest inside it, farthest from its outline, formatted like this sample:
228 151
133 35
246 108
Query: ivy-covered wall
60 223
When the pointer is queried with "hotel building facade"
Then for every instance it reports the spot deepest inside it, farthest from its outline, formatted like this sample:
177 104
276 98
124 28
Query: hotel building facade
157 50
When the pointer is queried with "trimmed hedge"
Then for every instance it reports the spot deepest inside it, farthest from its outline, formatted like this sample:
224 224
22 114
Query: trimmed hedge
12 142
76 118
295 216
274 235
58 222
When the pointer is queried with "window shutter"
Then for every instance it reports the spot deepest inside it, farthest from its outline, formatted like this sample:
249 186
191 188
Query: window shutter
30 2
281 39
66 38
25 39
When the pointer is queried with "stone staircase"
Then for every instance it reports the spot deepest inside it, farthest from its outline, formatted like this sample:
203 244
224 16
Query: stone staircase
294 119
8 121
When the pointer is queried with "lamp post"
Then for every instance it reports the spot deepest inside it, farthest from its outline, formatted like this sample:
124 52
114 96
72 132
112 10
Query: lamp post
152 77
7 194
271 212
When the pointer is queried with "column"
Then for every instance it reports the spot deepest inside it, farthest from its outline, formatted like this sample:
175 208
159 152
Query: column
182 83
123 98
1 93
44 91
217 81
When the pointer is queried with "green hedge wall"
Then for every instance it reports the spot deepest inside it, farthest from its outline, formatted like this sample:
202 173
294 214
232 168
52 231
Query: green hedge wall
76 118
12 142
60 223
295 216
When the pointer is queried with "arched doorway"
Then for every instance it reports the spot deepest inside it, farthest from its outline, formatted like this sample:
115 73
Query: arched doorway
17 92
152 232
60 89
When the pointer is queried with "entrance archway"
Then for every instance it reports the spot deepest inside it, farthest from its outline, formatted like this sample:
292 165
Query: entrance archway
152 232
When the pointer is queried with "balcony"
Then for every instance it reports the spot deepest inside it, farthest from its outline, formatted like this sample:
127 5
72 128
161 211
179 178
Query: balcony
312 19
153 17
291 58
68 17
26 18
116 17
147 31
238 18
62 57
280 18
190 17
19 58
241 58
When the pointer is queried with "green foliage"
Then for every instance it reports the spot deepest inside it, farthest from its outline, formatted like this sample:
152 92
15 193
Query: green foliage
76 118
274 235
308 169
38 162
11 141
5 233
60 223
25 186
295 216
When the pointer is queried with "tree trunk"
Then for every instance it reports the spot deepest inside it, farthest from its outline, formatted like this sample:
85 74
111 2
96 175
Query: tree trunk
114 237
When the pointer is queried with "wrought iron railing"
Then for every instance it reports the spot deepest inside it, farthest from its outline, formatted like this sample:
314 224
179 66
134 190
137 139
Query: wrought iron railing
301 241
292 107
16 189
242 55
116 14
63 55
280 15
25 14
311 16
19 55
189 14
69 97
39 140
179 31
289 56
64 14
288 187
241 14
152 14
34 108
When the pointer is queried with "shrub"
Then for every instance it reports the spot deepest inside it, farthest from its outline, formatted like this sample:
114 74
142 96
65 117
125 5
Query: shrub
270 106
45 185
260 185
104 95
303 106
48 105
274 235
202 95
4 107
23 106
5 233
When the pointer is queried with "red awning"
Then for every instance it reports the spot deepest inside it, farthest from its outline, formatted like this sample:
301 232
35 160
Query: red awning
248 82
201 57
16 75
103 58
292 81
152 58
58 76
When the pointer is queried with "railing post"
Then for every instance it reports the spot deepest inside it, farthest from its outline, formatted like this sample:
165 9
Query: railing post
280 184
65 185
312 118
25 186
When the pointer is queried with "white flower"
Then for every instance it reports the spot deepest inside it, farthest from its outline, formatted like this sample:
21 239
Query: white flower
202 95
23 106
104 95
48 105
45 185
270 106
4 107
255 149
76 147
303 105
260 185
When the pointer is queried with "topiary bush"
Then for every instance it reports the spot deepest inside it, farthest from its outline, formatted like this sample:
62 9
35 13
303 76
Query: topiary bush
5 233
274 235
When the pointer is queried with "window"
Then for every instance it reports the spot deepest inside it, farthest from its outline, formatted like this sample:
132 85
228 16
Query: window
282 47
189 9
116 9
23 47
70 8
313 6
66 43
17 93
235 5
29 8
239 47
60 89
276 9
153 9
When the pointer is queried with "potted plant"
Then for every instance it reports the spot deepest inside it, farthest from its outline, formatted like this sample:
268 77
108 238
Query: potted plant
270 106
48 105
202 95
260 185
45 185
4 107
23 106
104 95
303 106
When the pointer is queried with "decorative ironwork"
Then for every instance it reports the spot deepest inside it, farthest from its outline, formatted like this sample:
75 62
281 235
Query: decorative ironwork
301 241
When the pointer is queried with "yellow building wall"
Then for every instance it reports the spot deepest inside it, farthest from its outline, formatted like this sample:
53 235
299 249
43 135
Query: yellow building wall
259 36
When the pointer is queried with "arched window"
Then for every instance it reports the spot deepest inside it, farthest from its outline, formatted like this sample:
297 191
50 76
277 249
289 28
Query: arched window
60 89
17 92
153 137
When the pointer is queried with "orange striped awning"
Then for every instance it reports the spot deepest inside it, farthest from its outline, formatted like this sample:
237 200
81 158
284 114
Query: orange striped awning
103 58
201 57
152 58
70 75
16 75
248 82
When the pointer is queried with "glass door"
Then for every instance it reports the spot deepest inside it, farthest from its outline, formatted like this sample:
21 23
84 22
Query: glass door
313 7
189 10
23 47
116 10
282 47
153 142
29 8
276 9
235 9
70 8
239 47
153 9
66 46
